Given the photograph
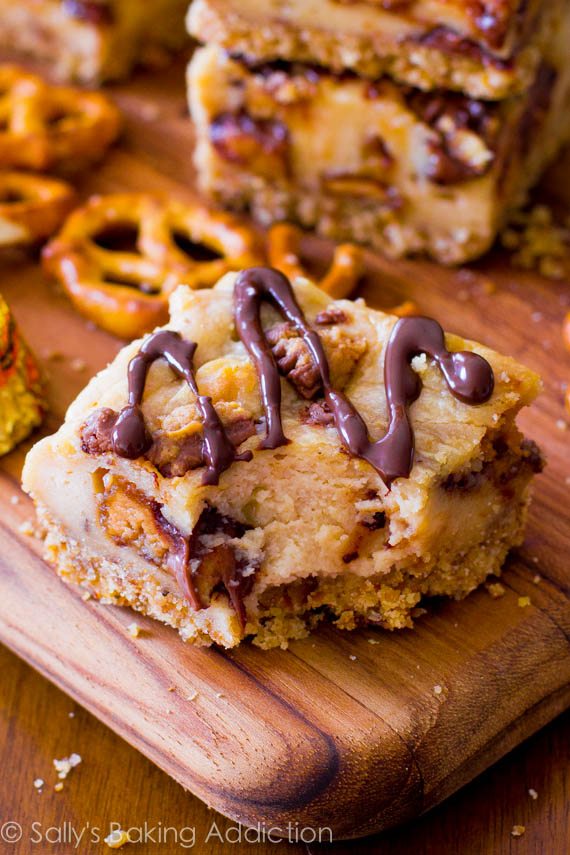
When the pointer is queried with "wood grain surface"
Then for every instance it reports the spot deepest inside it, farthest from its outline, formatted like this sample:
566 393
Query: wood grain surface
312 735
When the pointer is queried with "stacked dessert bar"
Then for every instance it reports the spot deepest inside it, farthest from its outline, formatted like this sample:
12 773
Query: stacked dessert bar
92 40
413 125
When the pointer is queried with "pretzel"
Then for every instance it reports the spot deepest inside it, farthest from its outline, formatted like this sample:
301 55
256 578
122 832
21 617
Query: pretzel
346 269
32 207
46 127
347 266
125 289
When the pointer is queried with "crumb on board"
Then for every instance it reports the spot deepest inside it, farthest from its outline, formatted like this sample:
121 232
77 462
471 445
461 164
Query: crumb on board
523 602
26 528
538 242
437 690
71 715
220 695
561 424
134 630
533 794
117 838
537 579
86 596
14 500
64 766
352 658
38 783
518 830
496 590
58 787
78 365
192 696
373 641
171 688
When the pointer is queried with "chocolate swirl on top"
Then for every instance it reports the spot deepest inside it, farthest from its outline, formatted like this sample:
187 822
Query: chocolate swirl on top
130 437
468 376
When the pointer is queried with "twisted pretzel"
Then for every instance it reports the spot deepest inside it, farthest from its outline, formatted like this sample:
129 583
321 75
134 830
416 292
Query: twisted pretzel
45 126
346 269
32 207
125 288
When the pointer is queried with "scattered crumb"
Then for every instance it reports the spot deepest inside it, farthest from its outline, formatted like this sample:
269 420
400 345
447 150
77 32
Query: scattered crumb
149 112
14 500
117 838
538 243
437 690
26 528
134 630
71 715
219 694
38 783
518 830
535 559
533 794
78 365
373 641
537 579
496 590
171 688
524 602
53 355
352 658
561 424
86 596
192 696
64 766
58 787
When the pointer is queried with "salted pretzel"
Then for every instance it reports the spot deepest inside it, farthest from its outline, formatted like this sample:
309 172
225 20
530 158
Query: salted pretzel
32 207
346 269
51 127
119 257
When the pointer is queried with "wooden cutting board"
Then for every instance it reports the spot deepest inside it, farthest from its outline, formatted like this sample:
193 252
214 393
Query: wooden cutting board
349 731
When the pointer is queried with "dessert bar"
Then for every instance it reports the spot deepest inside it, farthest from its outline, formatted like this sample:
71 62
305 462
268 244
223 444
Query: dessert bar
92 40
489 49
404 170
273 457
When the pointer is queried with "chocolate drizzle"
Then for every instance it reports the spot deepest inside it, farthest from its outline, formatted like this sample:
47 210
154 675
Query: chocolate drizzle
130 437
468 376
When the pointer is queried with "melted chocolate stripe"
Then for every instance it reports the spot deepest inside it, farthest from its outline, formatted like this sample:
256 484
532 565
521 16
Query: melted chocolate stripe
130 437
468 376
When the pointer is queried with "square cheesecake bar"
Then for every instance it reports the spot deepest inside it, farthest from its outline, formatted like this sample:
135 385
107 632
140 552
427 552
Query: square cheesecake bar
485 48
272 457
93 40
404 170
